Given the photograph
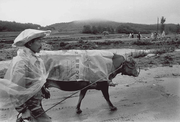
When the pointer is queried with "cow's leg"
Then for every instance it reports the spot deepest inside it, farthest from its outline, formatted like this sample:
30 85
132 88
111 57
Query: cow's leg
81 96
104 88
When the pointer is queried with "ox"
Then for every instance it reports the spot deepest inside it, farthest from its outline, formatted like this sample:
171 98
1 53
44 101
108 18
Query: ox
120 64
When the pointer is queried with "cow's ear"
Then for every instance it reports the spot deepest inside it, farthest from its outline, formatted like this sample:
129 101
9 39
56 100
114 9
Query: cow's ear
118 60
129 59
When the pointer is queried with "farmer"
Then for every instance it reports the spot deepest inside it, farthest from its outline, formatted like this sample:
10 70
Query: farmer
139 36
28 72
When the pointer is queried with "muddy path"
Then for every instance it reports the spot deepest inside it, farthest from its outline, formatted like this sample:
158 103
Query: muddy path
153 96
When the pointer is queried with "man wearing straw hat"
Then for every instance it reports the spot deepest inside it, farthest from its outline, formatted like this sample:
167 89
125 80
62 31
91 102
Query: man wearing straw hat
28 74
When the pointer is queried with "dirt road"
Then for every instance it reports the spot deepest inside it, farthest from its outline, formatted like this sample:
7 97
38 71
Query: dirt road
153 96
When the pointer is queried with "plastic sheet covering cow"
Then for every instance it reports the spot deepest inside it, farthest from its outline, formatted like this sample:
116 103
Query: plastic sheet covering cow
77 65
78 69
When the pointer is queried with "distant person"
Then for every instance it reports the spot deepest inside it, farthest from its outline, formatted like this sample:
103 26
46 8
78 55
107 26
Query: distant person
155 35
130 35
152 35
139 36
163 34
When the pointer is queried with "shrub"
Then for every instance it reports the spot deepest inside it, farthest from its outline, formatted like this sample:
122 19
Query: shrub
167 59
142 42
163 50
138 54
62 44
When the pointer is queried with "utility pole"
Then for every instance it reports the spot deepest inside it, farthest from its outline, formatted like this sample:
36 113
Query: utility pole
157 24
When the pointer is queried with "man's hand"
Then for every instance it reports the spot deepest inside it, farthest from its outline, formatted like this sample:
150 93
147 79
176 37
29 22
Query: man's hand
46 92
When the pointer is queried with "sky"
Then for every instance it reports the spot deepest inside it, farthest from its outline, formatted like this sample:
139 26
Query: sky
47 12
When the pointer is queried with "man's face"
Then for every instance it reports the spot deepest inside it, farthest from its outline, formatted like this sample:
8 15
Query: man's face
36 46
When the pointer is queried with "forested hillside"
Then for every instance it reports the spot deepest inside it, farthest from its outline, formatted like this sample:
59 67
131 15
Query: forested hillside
93 27
98 26
6 26
14 26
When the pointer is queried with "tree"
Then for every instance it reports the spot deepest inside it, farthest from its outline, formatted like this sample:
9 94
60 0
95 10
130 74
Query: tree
86 29
178 29
100 29
94 30
162 24
125 29
14 26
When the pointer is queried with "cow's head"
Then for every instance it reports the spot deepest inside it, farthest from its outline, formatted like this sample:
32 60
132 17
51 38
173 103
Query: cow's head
124 66
129 67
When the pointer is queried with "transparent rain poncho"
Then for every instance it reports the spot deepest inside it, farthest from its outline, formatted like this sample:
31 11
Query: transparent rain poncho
24 78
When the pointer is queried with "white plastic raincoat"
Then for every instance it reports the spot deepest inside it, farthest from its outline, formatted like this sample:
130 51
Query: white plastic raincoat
24 78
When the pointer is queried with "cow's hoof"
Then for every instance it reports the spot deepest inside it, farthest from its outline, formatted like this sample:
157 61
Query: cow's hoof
78 111
113 108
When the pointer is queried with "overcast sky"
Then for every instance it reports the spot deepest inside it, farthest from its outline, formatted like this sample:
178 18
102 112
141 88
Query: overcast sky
47 12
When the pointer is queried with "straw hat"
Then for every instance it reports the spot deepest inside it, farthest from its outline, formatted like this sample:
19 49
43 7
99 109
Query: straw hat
27 35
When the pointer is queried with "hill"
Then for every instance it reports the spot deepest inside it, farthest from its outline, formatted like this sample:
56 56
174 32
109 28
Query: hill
6 26
78 26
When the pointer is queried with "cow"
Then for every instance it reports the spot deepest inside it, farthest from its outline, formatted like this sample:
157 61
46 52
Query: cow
125 66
